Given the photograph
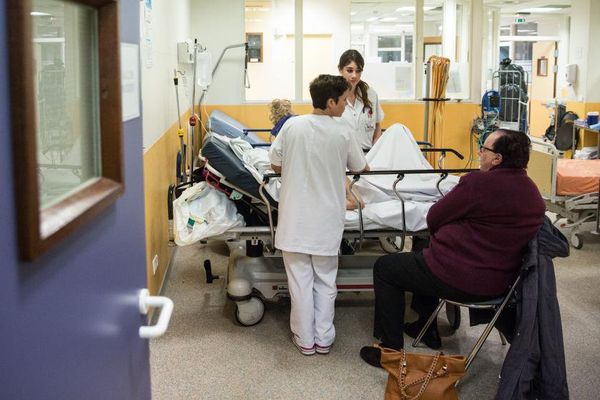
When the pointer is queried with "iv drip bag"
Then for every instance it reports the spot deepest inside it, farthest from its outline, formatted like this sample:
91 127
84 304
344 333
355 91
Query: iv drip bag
204 69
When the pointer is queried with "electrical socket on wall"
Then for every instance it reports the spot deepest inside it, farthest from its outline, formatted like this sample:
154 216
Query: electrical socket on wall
155 264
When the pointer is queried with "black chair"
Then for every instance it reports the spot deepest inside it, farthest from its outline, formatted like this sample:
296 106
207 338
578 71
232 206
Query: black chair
497 304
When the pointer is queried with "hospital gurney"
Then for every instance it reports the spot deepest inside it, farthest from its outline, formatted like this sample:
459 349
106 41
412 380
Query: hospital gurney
223 124
569 188
256 271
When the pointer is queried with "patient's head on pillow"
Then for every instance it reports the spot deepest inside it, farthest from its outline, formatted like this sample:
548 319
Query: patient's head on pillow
279 108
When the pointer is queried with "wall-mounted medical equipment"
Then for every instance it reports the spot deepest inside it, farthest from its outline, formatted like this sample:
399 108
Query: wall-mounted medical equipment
203 72
185 52
218 63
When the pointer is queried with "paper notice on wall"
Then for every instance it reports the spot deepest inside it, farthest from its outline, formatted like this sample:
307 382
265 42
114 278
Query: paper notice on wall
130 81
147 28
148 52
148 10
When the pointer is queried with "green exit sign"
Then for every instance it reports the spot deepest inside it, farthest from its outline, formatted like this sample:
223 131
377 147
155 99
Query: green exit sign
519 20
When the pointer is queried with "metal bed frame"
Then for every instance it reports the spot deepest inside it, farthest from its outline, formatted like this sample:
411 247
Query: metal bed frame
256 272
578 210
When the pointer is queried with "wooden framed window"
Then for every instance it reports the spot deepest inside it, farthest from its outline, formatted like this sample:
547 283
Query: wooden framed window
66 116
255 47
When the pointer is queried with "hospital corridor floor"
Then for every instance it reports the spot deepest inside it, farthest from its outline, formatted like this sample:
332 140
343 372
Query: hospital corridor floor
206 355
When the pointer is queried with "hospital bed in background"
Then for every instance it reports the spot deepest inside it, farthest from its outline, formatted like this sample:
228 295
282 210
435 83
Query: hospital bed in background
569 187
223 124
256 271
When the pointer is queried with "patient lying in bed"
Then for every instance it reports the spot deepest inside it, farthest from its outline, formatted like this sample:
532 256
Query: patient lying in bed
381 208
396 150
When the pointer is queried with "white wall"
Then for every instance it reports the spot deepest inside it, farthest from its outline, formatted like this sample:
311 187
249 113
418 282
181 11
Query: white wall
168 25
274 77
331 21
563 52
579 46
592 93
216 25
329 17
326 29
430 28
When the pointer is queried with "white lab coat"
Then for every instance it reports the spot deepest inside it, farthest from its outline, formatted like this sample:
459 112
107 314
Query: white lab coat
362 120
314 152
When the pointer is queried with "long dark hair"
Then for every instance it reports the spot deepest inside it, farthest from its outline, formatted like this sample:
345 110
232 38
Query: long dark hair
361 87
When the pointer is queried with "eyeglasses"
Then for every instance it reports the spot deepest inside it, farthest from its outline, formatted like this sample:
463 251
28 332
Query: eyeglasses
482 148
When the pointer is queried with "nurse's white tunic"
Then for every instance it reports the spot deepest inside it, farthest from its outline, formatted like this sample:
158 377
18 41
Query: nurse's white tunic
362 120
314 152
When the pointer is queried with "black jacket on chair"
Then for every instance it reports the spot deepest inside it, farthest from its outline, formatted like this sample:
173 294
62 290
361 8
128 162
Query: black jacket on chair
534 367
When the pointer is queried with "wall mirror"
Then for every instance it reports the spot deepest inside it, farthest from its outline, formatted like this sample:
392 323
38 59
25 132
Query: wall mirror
66 116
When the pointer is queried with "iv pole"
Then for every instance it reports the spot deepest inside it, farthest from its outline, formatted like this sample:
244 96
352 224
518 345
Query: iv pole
214 71
194 119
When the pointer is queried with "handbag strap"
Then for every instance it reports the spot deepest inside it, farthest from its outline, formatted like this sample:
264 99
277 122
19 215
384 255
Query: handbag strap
424 380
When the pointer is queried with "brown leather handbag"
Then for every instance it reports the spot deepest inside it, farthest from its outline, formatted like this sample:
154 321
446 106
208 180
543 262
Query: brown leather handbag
419 376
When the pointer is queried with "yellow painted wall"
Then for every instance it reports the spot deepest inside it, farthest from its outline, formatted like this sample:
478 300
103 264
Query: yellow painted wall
539 117
159 173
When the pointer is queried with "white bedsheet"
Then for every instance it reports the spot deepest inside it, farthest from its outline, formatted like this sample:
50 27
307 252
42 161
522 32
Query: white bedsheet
256 160
395 150
398 150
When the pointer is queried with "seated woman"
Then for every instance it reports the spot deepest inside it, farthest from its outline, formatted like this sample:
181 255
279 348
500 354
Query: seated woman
280 111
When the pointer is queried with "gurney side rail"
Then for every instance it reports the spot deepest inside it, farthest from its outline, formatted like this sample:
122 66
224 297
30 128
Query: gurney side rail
443 151
400 174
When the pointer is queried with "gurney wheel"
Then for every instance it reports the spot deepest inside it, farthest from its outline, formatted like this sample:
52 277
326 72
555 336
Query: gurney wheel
453 315
249 312
576 241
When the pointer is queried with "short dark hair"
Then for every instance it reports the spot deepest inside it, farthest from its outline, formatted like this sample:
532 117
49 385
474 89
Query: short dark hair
325 87
514 147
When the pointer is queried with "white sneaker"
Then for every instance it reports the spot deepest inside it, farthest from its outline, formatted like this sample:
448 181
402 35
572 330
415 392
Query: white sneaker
323 349
307 351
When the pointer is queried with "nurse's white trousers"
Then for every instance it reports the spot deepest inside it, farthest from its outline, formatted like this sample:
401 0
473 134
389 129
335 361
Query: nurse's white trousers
311 282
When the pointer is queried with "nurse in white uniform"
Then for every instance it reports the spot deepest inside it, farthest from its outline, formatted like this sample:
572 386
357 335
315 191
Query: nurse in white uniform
312 153
363 113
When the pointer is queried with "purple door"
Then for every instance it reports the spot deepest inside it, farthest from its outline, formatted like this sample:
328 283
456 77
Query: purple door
69 321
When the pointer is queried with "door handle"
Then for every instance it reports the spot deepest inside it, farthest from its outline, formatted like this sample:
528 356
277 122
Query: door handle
165 305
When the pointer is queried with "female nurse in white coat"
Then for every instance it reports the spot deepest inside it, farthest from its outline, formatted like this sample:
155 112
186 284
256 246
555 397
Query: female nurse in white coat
363 112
